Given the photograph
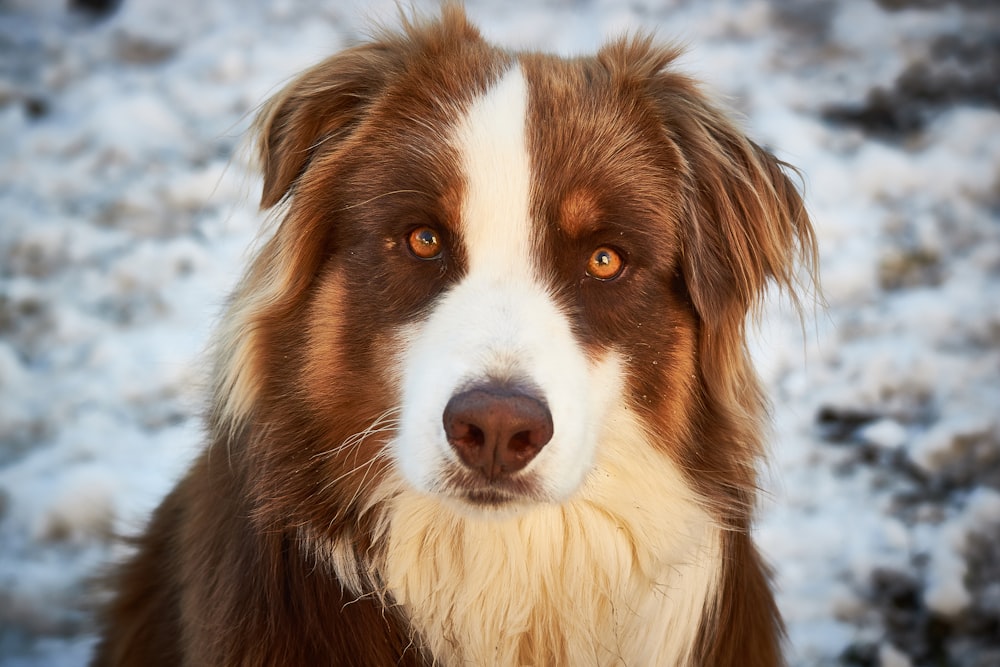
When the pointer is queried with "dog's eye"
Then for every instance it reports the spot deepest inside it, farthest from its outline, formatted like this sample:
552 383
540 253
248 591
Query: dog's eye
425 243
605 264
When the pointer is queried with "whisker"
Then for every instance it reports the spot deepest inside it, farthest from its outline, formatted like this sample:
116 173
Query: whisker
364 478
385 422
381 196
366 465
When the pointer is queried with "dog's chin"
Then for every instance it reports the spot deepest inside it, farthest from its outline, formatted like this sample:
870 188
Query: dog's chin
489 506
472 495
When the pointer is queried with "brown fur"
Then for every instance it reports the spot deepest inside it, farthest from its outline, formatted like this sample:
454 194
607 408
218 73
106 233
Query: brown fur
222 575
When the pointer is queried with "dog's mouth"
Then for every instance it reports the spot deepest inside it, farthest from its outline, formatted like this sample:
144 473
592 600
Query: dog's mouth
506 492
487 498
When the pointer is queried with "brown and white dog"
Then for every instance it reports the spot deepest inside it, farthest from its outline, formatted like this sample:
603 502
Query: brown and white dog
484 398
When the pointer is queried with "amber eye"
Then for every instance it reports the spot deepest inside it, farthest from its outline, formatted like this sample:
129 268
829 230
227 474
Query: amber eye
605 264
424 242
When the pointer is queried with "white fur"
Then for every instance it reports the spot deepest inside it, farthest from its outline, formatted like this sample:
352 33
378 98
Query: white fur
238 344
622 574
499 323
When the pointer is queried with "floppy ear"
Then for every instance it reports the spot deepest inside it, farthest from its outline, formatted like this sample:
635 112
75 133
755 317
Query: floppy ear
748 225
742 224
321 106
745 221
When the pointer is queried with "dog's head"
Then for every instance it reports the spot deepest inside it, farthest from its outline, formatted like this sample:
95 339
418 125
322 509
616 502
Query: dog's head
486 260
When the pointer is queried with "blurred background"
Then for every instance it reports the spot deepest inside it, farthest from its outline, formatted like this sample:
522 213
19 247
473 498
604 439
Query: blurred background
127 205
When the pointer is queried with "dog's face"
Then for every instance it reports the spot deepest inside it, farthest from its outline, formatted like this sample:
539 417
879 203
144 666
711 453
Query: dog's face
542 271
487 261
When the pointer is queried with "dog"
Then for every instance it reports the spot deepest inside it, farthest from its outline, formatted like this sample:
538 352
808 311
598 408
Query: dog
484 395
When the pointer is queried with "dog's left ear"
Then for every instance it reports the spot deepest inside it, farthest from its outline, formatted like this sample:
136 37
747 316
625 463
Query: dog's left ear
318 110
745 223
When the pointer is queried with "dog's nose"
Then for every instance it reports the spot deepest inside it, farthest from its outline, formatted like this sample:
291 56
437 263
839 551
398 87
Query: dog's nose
496 430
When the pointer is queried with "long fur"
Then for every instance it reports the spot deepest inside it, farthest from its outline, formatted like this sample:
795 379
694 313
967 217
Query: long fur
326 524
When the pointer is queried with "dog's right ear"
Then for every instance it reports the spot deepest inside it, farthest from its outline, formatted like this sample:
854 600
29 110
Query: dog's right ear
318 109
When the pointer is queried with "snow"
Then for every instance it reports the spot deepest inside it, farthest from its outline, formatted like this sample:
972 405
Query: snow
885 433
890 656
129 207
947 593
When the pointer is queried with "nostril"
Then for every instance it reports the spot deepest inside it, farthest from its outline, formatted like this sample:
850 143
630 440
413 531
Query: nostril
497 430
520 440
467 435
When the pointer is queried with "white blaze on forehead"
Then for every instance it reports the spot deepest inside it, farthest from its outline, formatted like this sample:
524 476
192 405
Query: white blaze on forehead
496 212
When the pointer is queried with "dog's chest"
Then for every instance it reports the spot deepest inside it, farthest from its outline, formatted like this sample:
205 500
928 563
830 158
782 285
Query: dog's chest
576 584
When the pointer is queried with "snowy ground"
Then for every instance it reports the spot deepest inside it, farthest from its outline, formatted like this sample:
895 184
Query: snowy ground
127 209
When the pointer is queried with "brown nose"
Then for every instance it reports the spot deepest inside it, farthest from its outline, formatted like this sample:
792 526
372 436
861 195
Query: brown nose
496 430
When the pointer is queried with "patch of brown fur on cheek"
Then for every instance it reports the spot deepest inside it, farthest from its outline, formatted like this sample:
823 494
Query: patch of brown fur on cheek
322 352
310 399
334 450
261 326
349 372
714 440
317 467
663 379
